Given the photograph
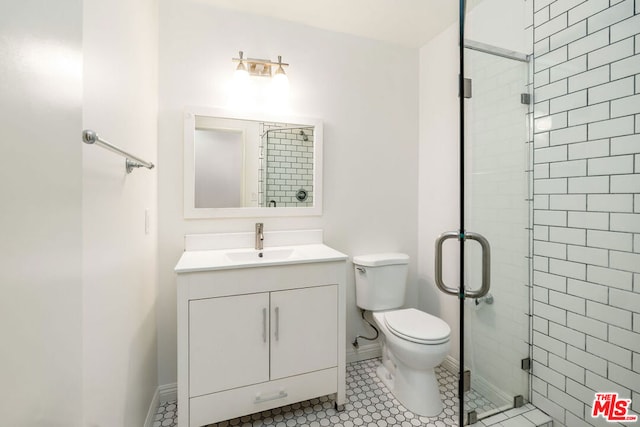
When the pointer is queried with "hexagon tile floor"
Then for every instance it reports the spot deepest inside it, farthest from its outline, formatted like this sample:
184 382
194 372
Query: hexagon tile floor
369 403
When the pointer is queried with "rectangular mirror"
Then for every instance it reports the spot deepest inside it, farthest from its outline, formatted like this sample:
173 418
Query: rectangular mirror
249 165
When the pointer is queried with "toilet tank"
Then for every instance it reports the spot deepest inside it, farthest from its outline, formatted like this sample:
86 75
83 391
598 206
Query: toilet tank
381 280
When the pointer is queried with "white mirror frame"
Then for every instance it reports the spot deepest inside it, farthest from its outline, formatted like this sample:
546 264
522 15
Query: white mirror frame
191 212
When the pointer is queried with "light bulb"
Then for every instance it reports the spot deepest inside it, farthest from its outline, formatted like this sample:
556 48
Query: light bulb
241 73
280 83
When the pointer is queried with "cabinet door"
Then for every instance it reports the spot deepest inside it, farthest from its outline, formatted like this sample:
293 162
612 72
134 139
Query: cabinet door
304 330
228 342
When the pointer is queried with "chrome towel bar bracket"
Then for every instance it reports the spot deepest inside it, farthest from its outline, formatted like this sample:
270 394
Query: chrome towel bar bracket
131 162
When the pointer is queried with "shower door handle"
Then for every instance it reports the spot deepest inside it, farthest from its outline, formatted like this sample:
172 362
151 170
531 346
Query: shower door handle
439 242
486 265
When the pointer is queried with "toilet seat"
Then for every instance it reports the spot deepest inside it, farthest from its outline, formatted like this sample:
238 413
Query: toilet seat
417 326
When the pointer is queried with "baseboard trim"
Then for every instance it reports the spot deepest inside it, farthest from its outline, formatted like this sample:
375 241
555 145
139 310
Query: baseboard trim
480 385
168 392
491 392
364 352
164 393
153 408
450 364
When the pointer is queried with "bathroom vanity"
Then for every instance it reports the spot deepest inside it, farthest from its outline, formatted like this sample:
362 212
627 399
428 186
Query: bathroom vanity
258 329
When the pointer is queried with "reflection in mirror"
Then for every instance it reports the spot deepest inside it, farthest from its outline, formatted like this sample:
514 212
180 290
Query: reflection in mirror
239 166
219 165
286 165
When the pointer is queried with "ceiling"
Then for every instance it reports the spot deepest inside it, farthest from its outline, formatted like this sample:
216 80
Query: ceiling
406 22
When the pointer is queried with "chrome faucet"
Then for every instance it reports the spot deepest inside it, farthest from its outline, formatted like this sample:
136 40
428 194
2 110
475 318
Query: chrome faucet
259 236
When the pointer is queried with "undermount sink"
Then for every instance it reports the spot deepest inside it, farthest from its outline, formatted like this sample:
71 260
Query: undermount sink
268 254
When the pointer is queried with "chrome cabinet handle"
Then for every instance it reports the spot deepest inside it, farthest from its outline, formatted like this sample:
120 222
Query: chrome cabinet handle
264 325
486 265
277 331
438 270
281 395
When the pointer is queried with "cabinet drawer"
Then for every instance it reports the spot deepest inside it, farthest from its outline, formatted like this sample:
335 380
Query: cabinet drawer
209 284
260 397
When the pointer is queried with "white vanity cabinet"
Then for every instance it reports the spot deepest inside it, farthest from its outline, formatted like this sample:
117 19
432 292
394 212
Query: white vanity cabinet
304 325
259 337
228 343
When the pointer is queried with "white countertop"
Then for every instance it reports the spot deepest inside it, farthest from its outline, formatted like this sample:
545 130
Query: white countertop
221 259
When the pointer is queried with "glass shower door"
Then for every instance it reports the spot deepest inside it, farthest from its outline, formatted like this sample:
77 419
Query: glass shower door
496 201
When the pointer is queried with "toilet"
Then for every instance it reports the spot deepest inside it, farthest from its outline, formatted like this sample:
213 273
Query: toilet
414 342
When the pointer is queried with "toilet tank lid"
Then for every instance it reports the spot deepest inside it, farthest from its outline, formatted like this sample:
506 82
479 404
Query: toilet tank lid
377 260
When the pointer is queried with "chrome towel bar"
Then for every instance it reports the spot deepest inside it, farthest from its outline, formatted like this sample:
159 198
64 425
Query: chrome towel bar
90 137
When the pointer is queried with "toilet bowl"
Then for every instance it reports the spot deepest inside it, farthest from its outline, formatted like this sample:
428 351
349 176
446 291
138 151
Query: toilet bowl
414 342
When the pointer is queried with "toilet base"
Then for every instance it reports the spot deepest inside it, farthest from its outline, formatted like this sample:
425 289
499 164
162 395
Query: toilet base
385 377
417 391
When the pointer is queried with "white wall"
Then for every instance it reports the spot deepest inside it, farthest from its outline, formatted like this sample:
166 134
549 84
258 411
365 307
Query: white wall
501 23
438 181
40 218
77 315
364 91
119 258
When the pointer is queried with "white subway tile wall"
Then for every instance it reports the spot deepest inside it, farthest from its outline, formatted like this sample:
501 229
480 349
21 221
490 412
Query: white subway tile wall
586 222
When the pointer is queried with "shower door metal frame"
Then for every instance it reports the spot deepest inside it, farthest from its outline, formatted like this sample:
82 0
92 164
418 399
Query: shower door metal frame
495 50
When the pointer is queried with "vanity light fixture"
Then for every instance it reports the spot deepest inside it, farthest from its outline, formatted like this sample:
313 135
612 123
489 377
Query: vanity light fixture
260 67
